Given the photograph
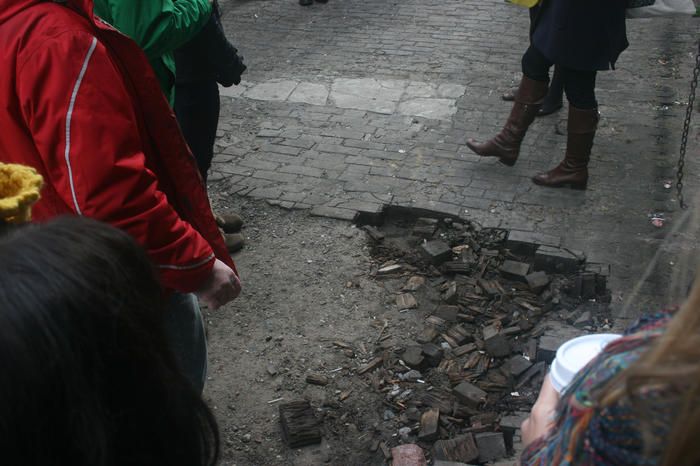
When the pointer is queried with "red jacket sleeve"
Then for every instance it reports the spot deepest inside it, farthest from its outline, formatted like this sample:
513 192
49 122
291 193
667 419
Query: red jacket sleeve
83 123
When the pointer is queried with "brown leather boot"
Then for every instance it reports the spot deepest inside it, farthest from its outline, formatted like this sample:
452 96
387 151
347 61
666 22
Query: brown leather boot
573 170
506 144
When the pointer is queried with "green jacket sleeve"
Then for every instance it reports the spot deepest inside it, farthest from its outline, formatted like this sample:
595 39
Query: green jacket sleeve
158 26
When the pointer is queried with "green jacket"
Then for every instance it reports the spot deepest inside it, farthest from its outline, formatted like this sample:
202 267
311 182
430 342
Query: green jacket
159 27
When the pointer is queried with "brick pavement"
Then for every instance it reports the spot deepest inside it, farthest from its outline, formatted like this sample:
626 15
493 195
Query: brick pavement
292 136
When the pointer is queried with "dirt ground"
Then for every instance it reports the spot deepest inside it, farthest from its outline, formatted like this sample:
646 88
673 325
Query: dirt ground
312 305
295 270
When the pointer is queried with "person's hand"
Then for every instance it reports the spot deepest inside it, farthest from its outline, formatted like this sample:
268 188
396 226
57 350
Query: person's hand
541 417
222 286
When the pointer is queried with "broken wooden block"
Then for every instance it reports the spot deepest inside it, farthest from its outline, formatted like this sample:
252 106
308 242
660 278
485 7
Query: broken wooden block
462 449
299 424
429 425
515 270
373 233
495 343
370 366
602 273
459 267
428 334
459 334
436 252
491 446
547 348
469 394
433 354
414 283
584 320
406 301
490 331
435 321
413 357
317 379
424 231
517 365
464 349
514 421
557 260
447 312
584 285
408 455
487 420
525 243
536 370
450 293
537 281
509 425
490 287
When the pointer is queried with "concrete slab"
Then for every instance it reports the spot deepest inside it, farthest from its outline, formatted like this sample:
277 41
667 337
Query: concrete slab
379 96
310 93
436 109
420 89
278 90
450 90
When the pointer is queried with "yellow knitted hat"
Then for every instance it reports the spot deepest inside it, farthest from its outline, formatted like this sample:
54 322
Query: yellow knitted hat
19 190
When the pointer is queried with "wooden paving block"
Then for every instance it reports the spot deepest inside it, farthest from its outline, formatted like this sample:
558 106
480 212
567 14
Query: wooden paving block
300 426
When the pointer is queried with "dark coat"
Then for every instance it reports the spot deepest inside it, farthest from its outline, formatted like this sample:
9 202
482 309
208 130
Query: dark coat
209 56
581 34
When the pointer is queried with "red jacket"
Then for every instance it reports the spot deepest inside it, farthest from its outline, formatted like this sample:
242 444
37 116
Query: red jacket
80 103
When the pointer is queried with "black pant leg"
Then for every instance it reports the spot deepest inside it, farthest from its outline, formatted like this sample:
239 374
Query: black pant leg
535 65
197 110
580 88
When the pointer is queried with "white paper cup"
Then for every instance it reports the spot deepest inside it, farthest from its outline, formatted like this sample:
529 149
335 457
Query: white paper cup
573 355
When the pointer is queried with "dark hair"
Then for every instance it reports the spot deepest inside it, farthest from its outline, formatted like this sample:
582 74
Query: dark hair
87 377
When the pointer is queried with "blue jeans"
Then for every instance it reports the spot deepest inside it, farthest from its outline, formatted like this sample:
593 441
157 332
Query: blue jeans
184 327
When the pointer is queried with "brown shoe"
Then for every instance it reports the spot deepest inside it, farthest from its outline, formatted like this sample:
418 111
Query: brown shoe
234 242
506 144
573 170
230 223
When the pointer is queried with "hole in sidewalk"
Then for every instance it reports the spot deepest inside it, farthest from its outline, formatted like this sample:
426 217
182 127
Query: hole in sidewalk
474 317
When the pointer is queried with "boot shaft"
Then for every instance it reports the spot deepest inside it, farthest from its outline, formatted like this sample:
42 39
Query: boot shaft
581 131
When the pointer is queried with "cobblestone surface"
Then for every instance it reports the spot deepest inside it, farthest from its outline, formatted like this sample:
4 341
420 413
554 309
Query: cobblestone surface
313 128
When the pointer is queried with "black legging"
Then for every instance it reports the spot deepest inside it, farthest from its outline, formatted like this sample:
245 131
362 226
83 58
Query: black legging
579 85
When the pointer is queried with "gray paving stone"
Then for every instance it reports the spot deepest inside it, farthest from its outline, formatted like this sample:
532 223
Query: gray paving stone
271 90
438 109
333 212
367 94
310 93
451 90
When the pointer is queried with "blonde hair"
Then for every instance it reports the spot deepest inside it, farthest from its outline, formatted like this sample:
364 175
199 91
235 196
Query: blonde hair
19 190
